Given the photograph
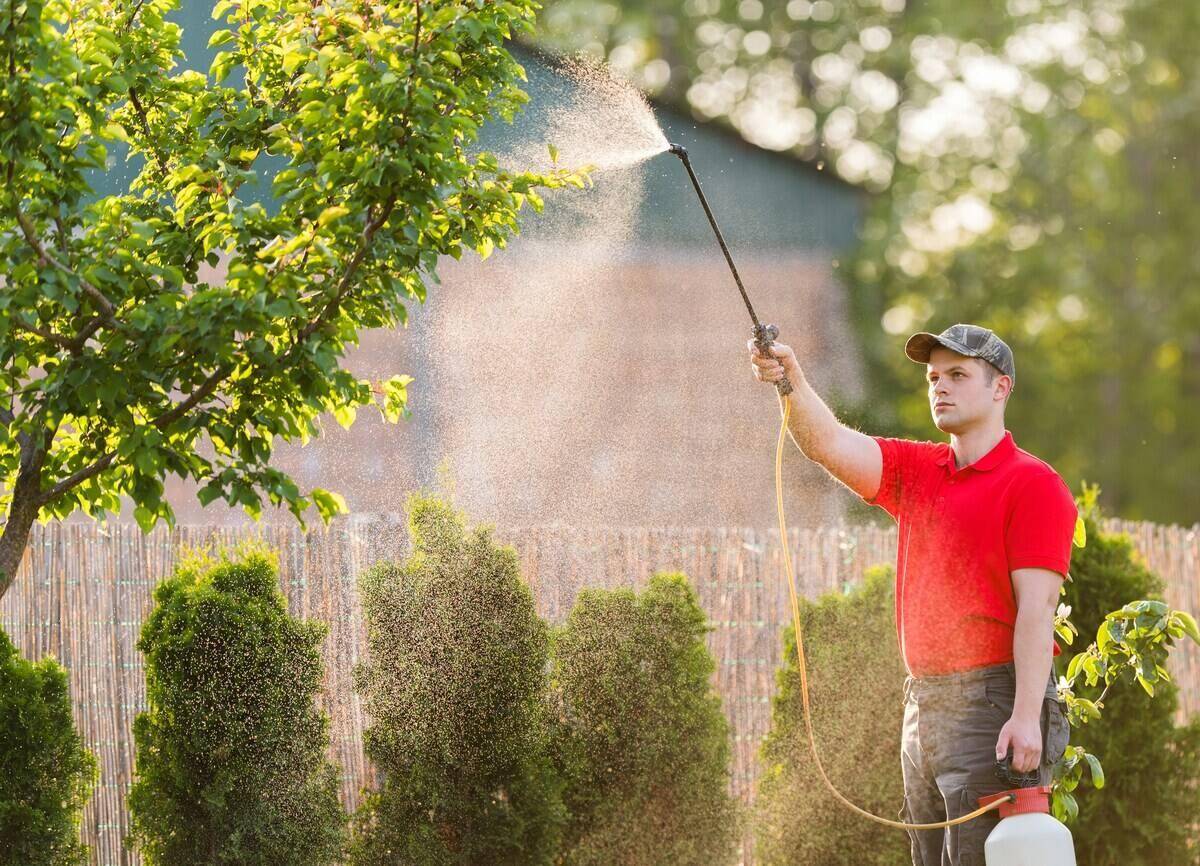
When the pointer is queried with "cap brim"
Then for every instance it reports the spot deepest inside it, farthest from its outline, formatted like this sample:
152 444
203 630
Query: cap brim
920 346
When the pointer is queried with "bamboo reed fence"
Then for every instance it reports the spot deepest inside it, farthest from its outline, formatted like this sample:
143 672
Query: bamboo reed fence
83 592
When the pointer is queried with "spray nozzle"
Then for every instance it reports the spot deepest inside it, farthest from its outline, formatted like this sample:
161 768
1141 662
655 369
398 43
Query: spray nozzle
679 150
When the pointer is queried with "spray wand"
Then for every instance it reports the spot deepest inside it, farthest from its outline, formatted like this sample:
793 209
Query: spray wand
764 335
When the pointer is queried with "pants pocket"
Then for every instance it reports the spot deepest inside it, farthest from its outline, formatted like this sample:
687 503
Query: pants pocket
967 844
1000 695
1058 732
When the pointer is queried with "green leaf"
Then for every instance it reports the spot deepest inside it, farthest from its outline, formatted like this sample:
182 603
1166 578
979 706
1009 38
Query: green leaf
1070 808
553 152
146 461
1073 667
292 60
1097 770
221 37
395 398
244 154
221 66
209 492
345 415
473 26
1188 623
115 131
145 517
453 58
330 214
329 504
283 307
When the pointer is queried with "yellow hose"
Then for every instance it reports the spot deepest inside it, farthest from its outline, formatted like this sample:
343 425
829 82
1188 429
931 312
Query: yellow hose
808 726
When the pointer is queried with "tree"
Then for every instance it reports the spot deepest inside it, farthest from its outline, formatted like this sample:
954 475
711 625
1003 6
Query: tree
231 764
47 770
454 685
118 361
1032 170
642 741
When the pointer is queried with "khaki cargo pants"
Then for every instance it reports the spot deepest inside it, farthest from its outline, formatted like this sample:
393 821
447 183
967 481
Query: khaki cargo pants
948 754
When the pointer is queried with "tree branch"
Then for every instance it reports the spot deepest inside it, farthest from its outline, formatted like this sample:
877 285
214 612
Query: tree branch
171 415
141 113
47 335
62 237
343 287
77 478
133 15
107 310
87 330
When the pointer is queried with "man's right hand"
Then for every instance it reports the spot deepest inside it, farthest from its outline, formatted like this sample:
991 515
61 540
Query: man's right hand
771 368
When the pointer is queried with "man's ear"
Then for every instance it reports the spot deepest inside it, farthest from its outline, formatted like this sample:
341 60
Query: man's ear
1003 388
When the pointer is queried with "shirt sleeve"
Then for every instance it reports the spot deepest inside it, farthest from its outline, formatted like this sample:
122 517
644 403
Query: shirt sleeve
900 459
1041 525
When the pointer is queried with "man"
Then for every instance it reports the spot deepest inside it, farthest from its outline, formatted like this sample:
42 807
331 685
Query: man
984 543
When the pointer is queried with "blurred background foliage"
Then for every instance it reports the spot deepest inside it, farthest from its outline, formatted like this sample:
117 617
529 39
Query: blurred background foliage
1032 168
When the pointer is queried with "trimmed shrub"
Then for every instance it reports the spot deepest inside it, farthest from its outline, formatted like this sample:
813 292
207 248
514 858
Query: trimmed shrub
46 772
231 764
642 741
1146 812
856 684
455 686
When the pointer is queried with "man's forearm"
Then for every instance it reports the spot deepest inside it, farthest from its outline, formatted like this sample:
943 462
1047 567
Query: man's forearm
1033 656
812 423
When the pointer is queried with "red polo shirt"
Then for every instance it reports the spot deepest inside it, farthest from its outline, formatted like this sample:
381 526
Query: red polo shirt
962 532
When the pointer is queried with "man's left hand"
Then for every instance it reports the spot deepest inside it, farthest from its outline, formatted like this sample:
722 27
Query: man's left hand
1024 736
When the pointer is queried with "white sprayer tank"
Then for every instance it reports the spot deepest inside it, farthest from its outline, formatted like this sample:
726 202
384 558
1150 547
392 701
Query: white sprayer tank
1028 835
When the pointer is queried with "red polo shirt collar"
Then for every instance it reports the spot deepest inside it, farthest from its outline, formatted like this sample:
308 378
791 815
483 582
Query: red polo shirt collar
1002 450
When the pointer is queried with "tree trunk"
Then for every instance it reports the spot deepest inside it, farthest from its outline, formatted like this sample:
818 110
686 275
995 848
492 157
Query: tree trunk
21 514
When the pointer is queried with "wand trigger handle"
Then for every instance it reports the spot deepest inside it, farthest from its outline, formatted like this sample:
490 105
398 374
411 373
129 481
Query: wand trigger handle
764 336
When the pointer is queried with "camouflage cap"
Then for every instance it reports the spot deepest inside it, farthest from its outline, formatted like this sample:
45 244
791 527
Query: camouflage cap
970 340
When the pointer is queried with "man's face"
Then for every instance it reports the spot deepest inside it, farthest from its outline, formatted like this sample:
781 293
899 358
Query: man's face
960 395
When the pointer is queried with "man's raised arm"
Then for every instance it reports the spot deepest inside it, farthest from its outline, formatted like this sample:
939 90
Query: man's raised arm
851 457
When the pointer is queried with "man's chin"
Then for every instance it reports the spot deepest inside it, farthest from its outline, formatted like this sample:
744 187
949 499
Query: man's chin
945 424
